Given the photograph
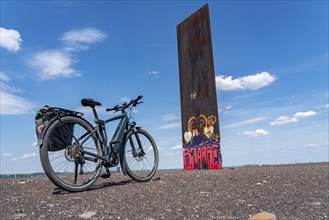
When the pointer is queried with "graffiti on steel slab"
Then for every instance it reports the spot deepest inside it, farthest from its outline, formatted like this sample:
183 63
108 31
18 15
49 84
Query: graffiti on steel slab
201 144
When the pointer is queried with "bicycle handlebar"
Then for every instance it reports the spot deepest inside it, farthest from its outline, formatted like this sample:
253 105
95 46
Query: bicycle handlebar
112 109
133 102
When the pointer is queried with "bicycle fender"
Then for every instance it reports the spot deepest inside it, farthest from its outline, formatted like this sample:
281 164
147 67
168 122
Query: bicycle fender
122 168
121 165
121 153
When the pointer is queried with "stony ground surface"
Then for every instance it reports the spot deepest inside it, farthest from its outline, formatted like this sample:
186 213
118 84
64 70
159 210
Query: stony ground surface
289 191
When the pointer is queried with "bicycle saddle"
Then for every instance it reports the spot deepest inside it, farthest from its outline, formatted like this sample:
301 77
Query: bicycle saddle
90 102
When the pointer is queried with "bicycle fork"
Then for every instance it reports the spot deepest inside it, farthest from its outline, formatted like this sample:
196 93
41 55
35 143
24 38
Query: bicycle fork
137 152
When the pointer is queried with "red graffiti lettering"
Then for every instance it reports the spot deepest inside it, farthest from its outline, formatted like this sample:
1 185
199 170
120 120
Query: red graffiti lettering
188 160
206 157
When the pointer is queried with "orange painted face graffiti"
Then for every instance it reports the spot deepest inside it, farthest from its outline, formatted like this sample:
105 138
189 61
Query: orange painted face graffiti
201 126
202 123
211 120
192 128
209 130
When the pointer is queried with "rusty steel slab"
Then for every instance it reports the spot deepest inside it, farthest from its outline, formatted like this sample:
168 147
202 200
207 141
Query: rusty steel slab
199 111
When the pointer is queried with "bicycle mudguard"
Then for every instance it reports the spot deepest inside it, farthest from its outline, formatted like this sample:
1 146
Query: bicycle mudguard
122 167
121 156
121 153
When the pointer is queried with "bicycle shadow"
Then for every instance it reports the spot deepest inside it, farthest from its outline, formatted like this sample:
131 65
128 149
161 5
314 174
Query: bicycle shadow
103 185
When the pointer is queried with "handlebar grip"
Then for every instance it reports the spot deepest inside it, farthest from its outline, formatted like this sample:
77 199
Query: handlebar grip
125 105
112 109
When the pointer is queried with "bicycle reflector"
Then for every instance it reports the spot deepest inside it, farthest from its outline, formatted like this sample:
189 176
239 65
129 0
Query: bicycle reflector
41 127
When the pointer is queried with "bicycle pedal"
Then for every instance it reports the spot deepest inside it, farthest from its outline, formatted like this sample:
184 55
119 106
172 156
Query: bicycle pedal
105 175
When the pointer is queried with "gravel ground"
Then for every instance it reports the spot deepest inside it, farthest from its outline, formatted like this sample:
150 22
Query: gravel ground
299 191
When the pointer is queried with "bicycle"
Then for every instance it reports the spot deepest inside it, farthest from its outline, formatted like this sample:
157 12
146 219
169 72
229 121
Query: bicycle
73 152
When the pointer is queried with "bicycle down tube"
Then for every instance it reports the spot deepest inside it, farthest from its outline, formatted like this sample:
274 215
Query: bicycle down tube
117 138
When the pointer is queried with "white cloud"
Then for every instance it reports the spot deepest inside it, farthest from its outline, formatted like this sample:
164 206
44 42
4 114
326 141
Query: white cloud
258 81
227 108
286 120
169 126
65 3
257 133
177 147
80 39
26 156
125 99
283 120
312 145
227 83
14 105
4 77
53 64
170 117
152 74
135 111
7 154
304 114
246 122
5 85
88 111
10 39
11 104
252 82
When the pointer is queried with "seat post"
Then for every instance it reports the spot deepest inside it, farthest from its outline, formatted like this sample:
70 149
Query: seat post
95 113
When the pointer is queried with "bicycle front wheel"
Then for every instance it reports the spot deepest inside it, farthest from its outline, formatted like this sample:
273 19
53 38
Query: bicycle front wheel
140 158
63 154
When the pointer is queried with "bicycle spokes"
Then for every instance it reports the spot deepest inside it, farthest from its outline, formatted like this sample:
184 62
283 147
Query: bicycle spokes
67 166
141 158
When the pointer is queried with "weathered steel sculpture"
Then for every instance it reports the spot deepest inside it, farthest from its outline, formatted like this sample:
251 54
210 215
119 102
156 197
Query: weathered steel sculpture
200 127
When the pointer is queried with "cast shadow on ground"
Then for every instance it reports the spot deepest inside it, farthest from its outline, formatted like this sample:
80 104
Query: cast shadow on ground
59 191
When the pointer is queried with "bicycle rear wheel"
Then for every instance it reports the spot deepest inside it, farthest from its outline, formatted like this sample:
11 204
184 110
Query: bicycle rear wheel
140 156
62 154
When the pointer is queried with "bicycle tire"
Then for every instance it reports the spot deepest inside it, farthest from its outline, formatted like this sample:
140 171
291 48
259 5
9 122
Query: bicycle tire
59 164
146 165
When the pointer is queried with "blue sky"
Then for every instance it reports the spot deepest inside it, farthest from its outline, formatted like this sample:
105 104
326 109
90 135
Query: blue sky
271 66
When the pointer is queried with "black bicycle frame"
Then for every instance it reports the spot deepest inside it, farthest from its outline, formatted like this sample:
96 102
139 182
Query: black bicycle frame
116 141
